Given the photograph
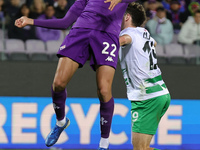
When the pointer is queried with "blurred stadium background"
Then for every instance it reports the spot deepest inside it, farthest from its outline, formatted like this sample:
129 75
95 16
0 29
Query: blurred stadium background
25 100
27 69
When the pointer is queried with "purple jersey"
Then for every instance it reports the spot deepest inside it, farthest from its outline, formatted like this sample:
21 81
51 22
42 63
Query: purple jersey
92 14
96 15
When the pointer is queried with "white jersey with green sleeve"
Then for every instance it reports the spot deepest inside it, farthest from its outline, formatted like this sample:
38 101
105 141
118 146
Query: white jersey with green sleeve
139 66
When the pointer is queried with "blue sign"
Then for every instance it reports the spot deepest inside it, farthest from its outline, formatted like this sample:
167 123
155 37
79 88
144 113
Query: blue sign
26 121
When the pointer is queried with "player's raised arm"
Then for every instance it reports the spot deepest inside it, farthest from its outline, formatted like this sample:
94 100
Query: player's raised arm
113 3
23 21
124 40
71 16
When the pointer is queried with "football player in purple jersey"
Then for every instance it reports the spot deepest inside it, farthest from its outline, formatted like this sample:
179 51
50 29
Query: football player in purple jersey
95 34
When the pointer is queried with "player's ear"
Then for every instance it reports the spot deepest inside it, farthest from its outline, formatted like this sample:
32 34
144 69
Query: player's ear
127 17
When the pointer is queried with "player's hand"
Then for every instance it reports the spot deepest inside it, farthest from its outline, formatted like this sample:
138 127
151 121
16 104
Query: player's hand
113 3
23 21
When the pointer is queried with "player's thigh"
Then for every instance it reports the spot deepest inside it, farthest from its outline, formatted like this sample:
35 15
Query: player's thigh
76 46
141 141
146 115
167 98
104 78
105 48
65 70
104 75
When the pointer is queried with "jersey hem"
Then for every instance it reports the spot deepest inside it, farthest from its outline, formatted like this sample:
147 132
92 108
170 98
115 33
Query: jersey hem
149 97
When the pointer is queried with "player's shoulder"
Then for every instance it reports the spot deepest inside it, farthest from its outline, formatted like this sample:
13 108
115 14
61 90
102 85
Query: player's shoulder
135 30
129 31
146 34
141 30
124 31
137 33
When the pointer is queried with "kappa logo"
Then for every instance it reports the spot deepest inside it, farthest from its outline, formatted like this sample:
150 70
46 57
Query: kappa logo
62 47
55 107
109 59
103 121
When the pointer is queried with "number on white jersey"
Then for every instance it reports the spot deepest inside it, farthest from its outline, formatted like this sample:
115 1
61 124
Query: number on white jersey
149 47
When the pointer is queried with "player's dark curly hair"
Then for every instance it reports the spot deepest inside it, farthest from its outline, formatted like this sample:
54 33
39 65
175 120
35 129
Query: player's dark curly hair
137 13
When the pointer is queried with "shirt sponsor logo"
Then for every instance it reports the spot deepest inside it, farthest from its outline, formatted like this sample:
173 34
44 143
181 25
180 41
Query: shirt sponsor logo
62 47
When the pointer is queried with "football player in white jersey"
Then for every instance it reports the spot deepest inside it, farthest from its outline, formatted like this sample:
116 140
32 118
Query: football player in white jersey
146 90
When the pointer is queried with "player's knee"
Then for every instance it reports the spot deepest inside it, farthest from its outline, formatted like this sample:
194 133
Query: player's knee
58 85
103 92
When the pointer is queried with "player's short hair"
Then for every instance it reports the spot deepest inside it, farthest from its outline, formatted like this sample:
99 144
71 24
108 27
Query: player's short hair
137 13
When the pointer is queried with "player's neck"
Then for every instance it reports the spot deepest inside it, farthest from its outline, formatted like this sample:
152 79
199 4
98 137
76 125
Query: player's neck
130 26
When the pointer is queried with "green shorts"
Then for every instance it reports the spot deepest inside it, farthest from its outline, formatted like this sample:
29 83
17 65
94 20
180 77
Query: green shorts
146 114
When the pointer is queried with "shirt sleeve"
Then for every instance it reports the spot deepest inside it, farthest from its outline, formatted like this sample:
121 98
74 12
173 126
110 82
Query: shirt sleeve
129 33
71 16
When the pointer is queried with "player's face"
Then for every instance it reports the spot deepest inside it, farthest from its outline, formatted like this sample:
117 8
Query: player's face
126 20
197 18
123 22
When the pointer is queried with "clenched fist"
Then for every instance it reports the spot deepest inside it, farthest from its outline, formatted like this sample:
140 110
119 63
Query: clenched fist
23 21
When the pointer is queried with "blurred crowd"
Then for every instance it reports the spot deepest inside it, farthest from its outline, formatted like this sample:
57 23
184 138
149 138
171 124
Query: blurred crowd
166 19
173 18
10 10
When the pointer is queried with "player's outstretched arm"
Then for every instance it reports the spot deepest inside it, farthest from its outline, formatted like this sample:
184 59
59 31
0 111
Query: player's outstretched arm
23 21
70 17
63 23
124 40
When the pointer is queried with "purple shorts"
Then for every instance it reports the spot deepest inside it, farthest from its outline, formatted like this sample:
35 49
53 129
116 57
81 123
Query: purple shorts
81 44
